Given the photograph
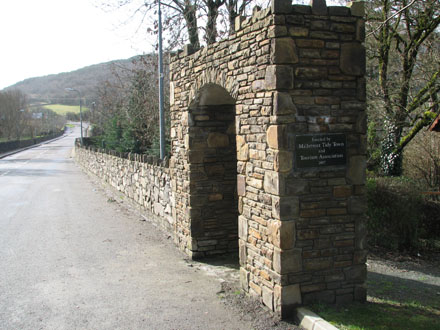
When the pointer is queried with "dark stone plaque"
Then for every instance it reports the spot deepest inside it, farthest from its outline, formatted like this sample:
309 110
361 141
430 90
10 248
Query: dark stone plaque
320 150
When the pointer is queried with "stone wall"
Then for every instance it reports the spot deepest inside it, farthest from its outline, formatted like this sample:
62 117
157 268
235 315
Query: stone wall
19 144
293 77
143 179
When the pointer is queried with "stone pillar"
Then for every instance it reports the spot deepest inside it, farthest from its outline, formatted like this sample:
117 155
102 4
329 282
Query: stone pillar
295 77
319 139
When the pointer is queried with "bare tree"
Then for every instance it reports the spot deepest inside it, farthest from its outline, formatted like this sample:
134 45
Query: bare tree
13 105
401 35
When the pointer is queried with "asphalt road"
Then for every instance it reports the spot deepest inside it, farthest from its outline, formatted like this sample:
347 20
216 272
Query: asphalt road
71 258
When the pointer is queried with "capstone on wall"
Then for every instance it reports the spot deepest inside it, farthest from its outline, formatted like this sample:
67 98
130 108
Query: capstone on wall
287 92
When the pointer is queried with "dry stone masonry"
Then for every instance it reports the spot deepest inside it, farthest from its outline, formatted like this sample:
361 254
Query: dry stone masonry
268 132
293 78
142 178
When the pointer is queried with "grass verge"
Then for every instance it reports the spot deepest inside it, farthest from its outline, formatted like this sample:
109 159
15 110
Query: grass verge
380 314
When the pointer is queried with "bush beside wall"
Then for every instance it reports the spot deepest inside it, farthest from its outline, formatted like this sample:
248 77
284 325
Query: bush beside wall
399 215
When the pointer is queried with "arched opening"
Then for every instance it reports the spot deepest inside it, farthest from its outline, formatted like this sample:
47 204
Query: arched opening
213 172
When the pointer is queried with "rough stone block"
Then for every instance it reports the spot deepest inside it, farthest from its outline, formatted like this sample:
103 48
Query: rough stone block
356 172
283 51
188 50
342 191
241 185
312 73
356 273
196 156
242 148
287 261
296 31
286 298
242 228
319 7
287 235
357 8
273 183
361 233
244 279
360 30
238 21
258 85
285 208
353 60
242 252
283 104
283 161
276 136
357 205
360 293
268 297
318 264
279 77
281 7
218 140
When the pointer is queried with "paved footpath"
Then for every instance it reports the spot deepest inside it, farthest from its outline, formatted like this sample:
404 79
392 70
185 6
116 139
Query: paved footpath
70 258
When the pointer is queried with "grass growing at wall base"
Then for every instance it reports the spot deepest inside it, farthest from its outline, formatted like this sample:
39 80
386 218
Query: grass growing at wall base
380 314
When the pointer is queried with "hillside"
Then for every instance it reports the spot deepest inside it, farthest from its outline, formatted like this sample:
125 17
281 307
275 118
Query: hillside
51 88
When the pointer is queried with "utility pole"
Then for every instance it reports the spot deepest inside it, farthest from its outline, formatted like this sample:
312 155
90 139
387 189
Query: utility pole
69 89
161 93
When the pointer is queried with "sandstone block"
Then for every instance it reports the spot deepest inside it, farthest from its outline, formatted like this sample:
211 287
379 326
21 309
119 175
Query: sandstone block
286 298
238 22
285 208
281 7
243 228
258 85
357 205
360 293
242 148
241 185
276 136
287 261
356 172
242 252
283 51
312 73
296 31
283 104
310 43
244 279
217 140
353 59
279 77
357 8
356 273
268 297
360 30
342 191
272 183
318 264
283 161
319 7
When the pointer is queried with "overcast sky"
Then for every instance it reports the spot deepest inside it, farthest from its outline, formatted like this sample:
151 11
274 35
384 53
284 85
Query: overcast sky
51 36
41 37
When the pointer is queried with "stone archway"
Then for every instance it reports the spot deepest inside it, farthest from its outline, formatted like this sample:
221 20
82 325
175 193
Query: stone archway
296 76
213 174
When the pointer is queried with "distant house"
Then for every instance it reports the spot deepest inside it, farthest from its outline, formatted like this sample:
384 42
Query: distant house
435 125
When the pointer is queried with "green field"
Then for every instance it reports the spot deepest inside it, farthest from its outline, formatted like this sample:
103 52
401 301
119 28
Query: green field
62 109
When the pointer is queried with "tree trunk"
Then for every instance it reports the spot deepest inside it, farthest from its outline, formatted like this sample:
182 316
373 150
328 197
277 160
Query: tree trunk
190 15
